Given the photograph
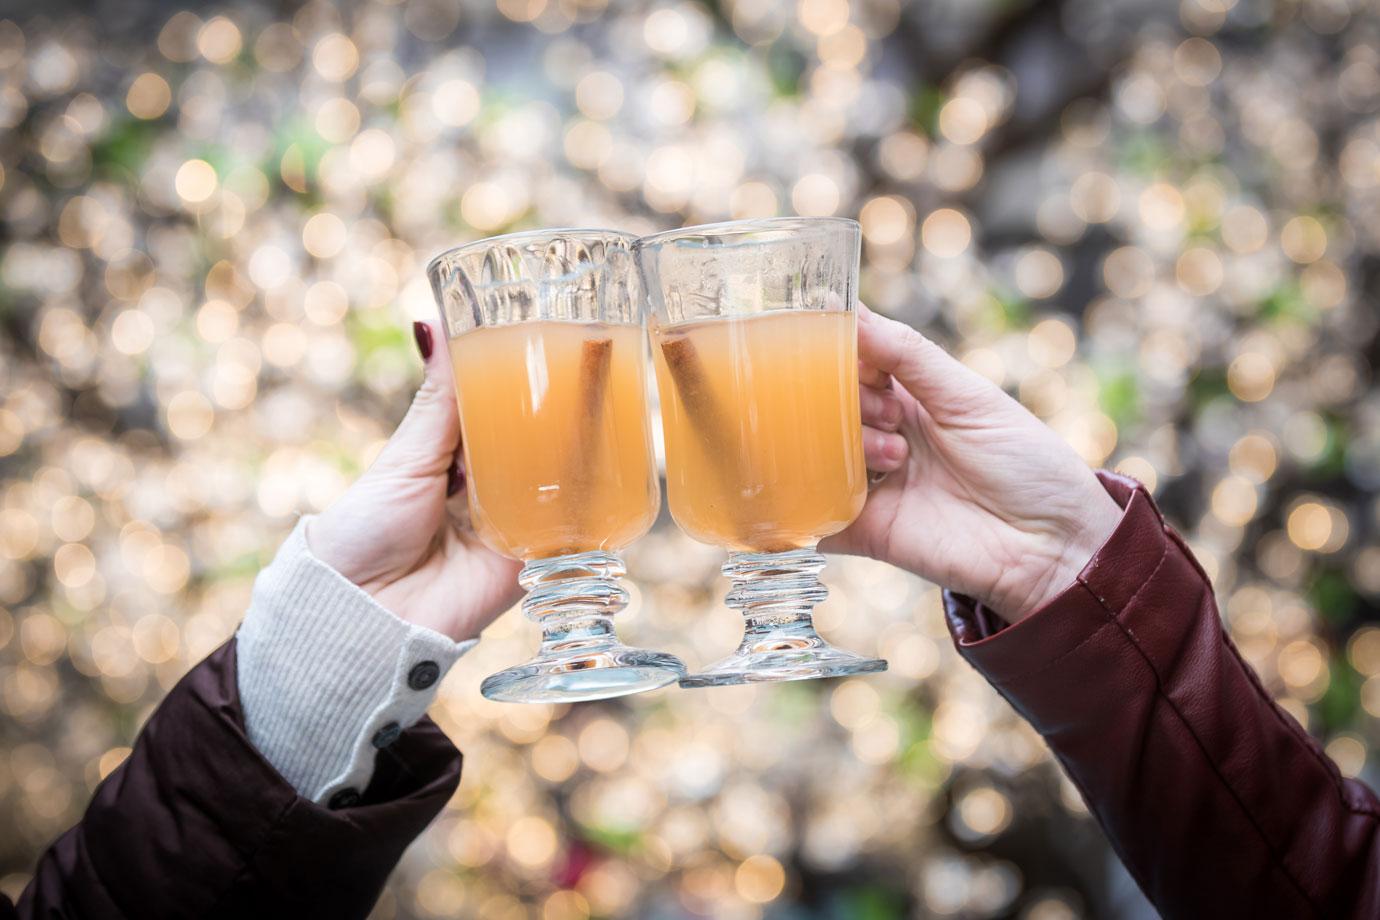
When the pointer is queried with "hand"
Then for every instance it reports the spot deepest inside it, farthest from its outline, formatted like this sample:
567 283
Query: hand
398 531
981 497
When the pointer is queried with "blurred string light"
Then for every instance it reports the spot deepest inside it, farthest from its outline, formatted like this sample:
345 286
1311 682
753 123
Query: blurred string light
215 225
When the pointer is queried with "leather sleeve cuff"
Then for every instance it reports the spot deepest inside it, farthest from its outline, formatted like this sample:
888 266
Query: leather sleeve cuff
1107 584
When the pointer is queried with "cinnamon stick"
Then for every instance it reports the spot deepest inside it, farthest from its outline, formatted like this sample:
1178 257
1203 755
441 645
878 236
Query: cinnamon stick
596 356
709 419
683 361
596 360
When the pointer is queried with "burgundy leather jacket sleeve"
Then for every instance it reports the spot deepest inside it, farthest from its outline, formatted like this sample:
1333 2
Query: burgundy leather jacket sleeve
1219 804
196 823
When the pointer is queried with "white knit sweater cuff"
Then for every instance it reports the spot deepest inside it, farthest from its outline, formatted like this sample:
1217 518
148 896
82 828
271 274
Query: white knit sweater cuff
327 675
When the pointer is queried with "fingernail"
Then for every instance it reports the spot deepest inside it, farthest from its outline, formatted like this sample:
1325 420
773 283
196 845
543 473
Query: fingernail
422 333
455 479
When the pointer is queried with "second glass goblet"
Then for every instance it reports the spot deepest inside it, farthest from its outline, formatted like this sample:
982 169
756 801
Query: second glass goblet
548 349
755 342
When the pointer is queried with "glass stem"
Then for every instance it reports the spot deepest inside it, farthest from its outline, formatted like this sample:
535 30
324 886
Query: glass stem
573 598
776 594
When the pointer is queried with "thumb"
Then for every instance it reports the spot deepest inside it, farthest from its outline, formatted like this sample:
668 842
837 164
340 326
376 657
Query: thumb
945 386
424 444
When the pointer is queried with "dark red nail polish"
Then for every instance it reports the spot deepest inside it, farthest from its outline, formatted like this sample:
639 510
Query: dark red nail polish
422 333
455 479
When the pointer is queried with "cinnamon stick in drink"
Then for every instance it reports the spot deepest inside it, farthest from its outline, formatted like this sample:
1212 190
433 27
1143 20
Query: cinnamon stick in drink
596 359
596 355
693 386
708 418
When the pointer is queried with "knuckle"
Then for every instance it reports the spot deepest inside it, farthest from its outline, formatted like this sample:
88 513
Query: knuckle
913 343
430 392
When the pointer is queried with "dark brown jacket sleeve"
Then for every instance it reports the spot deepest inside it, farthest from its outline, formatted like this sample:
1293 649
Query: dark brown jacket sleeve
1219 804
197 824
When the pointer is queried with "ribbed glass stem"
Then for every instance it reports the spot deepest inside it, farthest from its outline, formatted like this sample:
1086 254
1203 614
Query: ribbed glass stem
776 594
574 598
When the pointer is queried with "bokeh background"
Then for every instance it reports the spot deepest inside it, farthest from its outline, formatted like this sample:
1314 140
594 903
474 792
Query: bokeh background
1156 223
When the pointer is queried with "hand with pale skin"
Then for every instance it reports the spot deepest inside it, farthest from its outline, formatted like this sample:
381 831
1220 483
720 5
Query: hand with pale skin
399 532
980 497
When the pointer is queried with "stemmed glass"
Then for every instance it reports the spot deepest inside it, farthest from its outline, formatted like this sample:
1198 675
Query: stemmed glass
754 336
548 347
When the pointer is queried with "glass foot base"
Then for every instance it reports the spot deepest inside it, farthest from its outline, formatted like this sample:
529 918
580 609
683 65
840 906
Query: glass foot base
574 597
589 674
776 593
770 665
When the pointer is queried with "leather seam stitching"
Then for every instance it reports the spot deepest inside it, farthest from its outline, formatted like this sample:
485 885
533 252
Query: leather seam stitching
1048 665
1164 554
1188 726
1297 731
1287 724
1116 614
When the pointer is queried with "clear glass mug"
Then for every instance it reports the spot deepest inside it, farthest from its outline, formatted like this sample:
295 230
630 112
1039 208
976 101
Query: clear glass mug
754 337
547 342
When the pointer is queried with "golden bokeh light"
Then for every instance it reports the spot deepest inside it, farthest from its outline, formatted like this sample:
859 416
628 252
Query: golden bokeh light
946 233
1251 376
759 879
219 40
217 222
196 181
149 96
335 57
1303 239
531 841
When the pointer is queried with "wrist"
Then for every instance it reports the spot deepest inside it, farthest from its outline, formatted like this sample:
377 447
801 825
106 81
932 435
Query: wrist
327 537
1067 546
319 534
326 675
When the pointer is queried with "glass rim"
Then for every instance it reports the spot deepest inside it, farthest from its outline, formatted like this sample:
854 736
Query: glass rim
519 235
631 324
751 225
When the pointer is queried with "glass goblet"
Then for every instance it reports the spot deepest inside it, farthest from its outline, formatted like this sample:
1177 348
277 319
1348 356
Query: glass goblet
548 347
754 337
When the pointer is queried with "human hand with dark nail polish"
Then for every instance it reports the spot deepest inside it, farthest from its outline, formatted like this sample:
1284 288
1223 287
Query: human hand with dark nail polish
401 532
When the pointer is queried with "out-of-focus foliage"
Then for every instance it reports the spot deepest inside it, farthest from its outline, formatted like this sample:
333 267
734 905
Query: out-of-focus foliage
1155 223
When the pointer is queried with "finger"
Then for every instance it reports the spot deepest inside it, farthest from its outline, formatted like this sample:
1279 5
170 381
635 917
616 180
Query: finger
869 376
885 451
944 385
845 543
881 409
424 444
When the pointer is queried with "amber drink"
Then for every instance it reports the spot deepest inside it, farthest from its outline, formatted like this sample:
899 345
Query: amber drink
556 436
763 438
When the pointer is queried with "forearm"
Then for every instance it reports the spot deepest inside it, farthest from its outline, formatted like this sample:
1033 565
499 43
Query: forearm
1217 801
